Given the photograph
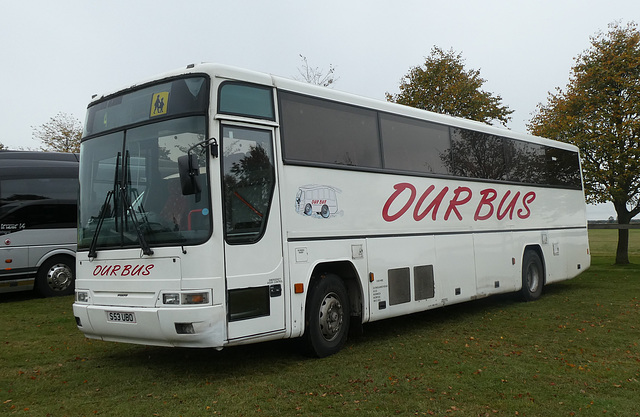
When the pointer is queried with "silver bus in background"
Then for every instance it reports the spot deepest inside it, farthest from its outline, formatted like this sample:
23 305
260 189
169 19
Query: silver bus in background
38 221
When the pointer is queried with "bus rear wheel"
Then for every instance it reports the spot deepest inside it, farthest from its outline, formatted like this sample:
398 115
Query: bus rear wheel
532 276
327 316
56 277
324 212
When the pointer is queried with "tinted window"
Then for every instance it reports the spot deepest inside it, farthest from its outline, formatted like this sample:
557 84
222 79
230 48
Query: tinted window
414 145
40 215
525 162
38 189
182 96
563 168
249 181
37 203
477 155
246 100
321 131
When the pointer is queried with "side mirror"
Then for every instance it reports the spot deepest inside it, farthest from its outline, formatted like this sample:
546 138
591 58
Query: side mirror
189 170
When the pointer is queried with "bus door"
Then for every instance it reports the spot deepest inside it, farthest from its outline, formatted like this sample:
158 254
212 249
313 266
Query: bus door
253 240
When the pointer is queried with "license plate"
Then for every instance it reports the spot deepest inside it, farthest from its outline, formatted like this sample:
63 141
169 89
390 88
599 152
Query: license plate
121 317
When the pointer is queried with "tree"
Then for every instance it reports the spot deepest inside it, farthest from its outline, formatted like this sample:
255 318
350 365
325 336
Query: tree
2 147
599 111
442 85
61 133
315 75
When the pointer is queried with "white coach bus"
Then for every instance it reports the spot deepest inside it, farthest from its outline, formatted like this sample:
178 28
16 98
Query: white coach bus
192 233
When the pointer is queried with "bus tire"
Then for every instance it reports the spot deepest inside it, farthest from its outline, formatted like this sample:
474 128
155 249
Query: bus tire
324 212
56 277
307 209
532 276
327 316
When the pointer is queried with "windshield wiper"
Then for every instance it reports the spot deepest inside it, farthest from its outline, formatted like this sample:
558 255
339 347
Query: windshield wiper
119 190
146 249
103 214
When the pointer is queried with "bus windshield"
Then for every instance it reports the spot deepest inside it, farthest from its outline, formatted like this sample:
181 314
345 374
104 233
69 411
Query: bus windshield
130 193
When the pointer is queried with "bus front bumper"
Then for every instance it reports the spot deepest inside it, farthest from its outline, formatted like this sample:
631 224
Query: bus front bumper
184 327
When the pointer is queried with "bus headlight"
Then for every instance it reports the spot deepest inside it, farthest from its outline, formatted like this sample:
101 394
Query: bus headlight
171 298
190 298
82 296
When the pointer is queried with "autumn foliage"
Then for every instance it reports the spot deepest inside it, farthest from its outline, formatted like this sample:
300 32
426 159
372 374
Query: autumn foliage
61 133
599 111
443 85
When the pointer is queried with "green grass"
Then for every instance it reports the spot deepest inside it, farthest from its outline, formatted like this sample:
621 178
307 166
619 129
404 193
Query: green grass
574 352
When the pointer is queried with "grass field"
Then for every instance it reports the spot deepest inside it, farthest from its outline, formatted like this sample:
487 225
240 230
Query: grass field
575 352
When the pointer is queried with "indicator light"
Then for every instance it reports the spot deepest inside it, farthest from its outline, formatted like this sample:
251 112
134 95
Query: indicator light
195 298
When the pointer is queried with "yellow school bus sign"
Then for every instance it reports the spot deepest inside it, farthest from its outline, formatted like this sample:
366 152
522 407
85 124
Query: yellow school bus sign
159 104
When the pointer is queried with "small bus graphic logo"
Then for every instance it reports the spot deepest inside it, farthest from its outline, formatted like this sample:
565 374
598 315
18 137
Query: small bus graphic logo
317 200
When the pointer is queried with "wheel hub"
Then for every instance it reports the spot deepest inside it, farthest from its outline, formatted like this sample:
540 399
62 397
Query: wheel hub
59 277
331 313
533 279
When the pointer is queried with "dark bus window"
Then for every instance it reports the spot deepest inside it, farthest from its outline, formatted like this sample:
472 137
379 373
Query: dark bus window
477 155
19 189
525 162
37 203
414 145
321 131
249 181
246 100
563 168
36 215
187 95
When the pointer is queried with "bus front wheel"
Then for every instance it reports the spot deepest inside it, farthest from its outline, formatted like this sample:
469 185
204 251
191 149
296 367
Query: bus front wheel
307 209
56 276
532 276
327 316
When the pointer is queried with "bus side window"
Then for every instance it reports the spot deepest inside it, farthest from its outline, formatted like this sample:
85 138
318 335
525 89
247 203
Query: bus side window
249 181
43 216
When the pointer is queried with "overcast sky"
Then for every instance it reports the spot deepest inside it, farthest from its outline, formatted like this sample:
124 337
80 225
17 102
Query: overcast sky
57 54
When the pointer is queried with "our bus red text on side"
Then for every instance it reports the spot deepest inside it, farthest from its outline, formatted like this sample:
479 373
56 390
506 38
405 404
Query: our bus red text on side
490 204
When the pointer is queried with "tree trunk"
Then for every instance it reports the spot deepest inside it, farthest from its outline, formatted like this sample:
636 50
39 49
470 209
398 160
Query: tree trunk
624 218
622 252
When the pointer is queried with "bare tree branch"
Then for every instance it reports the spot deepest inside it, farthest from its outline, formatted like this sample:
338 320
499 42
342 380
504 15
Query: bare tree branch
316 75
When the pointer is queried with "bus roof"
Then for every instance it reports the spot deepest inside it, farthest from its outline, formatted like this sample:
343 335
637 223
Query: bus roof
238 74
39 156
17 163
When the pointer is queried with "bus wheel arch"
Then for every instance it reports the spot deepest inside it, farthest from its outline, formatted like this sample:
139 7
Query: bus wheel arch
334 299
56 276
533 273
